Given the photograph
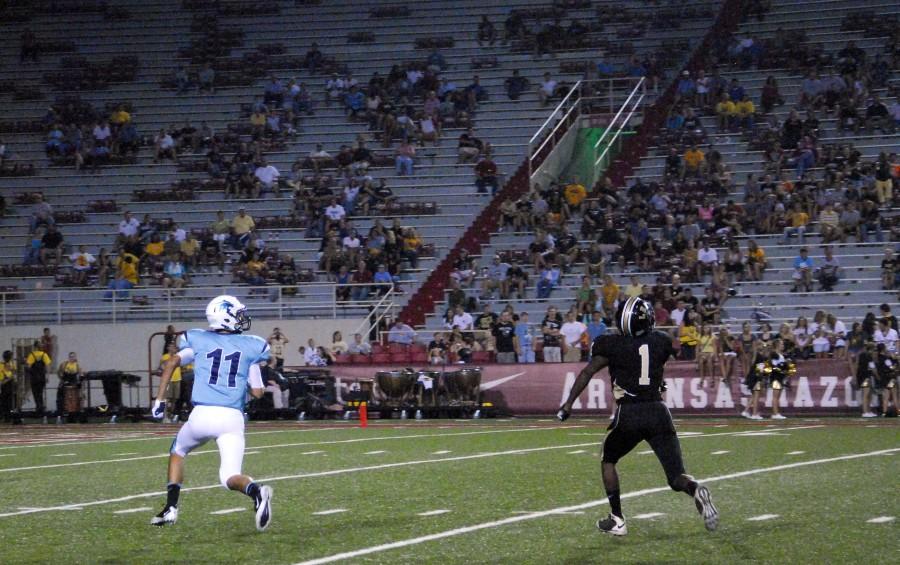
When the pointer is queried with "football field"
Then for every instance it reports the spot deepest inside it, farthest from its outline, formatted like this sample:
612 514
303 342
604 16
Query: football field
467 492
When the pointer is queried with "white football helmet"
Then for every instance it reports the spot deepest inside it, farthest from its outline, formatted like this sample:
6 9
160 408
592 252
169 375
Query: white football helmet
227 313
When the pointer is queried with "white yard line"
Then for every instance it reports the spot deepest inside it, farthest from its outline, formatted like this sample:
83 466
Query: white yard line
442 452
77 442
720 452
594 503
275 446
434 512
532 512
577 451
881 520
227 511
763 517
133 510
350 470
377 452
332 511
648 516
795 452
63 455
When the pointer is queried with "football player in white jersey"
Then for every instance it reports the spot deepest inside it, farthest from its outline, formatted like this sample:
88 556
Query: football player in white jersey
226 362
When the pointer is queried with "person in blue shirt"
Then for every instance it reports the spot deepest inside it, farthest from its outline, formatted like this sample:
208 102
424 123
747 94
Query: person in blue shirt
596 327
526 339
803 271
226 362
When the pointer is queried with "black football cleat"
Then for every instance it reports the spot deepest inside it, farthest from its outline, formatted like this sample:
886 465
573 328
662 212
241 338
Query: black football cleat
169 515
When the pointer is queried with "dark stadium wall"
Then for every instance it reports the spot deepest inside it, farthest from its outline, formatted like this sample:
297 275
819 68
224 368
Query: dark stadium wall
820 387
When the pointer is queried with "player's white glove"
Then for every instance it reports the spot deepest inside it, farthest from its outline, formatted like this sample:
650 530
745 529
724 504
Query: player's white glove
159 410
563 415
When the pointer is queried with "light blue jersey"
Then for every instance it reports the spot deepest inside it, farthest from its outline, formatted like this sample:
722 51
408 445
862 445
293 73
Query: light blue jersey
222 365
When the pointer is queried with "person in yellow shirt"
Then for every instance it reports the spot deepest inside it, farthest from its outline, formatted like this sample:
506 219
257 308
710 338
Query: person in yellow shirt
38 363
745 110
756 260
173 390
609 292
725 112
412 245
126 276
689 337
69 373
120 116
7 386
797 223
190 249
241 226
575 194
634 288
694 161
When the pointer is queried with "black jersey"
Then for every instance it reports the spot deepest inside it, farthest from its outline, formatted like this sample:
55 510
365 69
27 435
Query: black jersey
635 363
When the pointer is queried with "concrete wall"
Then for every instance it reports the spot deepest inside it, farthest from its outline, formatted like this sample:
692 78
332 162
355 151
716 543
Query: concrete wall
124 346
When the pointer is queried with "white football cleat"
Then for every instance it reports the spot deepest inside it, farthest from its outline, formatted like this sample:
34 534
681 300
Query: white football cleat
612 525
746 414
264 508
706 508
756 417
869 415
169 515
779 417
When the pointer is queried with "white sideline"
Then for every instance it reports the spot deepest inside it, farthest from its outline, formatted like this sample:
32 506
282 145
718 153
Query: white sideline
278 445
355 469
566 509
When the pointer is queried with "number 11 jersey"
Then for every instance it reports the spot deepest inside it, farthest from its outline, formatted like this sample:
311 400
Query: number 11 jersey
222 365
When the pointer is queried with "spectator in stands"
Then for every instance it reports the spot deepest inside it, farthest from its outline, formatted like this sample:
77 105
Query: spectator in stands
516 85
405 158
829 272
547 90
487 33
486 175
798 220
574 334
274 92
707 260
359 347
726 111
41 213
268 176
469 147
804 267
164 147
82 263
383 279
126 276
174 272
694 162
51 246
401 333
313 58
884 183
870 221
770 96
241 227
550 330
878 116
548 280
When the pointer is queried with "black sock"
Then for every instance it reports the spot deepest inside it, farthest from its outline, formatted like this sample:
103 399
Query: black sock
614 503
173 490
252 490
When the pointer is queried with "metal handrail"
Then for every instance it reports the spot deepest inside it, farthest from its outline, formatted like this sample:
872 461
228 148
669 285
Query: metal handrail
71 302
537 134
620 127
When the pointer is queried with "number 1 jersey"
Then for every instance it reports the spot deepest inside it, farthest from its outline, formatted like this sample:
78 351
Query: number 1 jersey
636 364
222 365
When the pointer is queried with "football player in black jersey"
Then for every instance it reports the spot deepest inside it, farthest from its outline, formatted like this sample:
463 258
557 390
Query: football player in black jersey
636 358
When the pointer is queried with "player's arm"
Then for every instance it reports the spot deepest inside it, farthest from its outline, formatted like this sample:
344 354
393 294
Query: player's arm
598 362
257 387
183 357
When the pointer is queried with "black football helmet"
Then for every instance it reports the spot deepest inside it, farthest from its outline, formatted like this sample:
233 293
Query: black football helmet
635 317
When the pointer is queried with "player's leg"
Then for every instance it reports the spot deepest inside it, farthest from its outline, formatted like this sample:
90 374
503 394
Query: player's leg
776 401
866 401
189 437
664 442
231 454
618 443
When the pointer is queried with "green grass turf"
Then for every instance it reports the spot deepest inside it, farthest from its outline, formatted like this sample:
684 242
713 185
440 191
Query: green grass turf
822 508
